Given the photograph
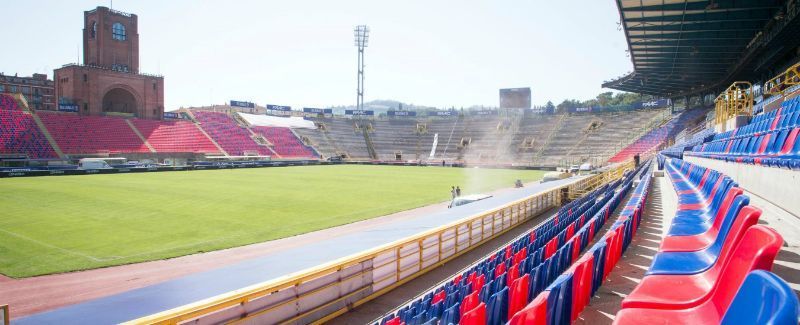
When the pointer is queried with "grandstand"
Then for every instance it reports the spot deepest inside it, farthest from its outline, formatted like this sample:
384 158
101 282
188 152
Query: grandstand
174 136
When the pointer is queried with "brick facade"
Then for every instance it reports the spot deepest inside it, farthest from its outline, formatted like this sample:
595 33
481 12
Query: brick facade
109 79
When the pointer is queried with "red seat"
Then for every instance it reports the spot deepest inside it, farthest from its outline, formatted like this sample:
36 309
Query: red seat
535 313
518 294
757 250
478 283
701 241
651 293
476 316
439 296
550 248
499 269
703 204
232 137
174 136
469 302
521 255
512 274
581 284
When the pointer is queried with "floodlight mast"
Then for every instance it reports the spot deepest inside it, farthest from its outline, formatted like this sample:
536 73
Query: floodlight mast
361 33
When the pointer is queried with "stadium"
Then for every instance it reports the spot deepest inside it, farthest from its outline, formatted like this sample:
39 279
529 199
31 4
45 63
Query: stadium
670 198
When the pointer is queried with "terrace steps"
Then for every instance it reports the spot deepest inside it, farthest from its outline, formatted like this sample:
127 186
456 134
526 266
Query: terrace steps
139 134
48 136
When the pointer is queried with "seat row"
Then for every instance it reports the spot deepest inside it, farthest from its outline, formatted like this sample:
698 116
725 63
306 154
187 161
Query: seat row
777 148
712 267
501 285
787 116
19 134
232 137
564 300
7 102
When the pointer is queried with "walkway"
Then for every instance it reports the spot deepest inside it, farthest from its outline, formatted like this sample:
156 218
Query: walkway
282 260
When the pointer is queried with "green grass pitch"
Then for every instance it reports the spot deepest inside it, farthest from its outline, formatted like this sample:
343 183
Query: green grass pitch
68 223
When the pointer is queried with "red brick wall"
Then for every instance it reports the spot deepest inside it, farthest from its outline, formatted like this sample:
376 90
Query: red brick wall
148 91
103 49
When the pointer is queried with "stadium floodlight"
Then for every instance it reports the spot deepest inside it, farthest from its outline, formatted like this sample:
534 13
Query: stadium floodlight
361 33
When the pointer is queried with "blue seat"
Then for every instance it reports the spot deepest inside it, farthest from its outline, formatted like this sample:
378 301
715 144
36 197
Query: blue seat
559 301
451 315
763 298
497 309
707 212
698 261
690 225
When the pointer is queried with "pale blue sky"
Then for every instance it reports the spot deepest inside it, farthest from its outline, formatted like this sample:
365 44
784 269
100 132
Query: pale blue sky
301 53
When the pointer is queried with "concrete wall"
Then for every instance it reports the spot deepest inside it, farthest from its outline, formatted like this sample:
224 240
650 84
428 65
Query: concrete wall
776 185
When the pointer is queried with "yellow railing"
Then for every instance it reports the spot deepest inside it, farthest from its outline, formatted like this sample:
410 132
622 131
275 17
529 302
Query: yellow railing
5 315
734 101
323 292
783 81
588 184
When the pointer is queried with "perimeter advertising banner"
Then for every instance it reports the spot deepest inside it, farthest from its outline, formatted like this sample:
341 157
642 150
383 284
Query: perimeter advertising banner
317 110
659 103
279 108
515 98
67 107
171 115
358 113
242 104
484 113
442 113
401 113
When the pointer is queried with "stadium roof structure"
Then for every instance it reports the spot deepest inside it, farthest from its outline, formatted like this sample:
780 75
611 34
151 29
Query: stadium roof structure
688 47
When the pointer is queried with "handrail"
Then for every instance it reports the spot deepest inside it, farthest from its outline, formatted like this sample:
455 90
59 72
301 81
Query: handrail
5 314
736 100
454 239
783 81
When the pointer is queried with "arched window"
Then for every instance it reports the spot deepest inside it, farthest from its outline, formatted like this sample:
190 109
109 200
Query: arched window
94 29
118 32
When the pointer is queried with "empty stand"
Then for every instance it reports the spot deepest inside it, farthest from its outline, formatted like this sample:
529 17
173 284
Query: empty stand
7 102
77 135
235 139
770 139
284 142
174 136
19 134
530 280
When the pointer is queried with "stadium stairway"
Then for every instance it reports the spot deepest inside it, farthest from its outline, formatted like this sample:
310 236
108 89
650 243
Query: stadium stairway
499 286
139 134
713 266
200 128
630 287
47 135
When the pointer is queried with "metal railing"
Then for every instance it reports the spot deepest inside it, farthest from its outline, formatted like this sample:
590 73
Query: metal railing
736 100
323 292
4 314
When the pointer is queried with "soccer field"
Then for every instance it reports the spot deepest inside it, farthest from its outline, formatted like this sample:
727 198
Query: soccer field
68 223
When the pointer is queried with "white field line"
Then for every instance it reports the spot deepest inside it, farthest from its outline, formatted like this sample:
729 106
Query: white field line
53 246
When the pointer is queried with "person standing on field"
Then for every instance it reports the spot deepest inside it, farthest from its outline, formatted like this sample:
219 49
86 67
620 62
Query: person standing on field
458 191
453 192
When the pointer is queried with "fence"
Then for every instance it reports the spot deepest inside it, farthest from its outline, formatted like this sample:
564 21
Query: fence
326 291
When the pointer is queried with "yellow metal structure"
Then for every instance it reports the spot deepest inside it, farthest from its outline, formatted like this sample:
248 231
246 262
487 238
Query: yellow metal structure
734 101
783 81
5 314
323 292
588 184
